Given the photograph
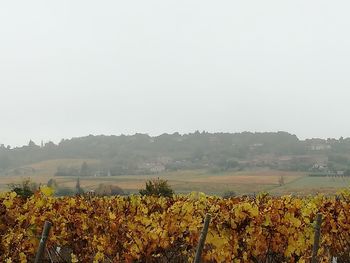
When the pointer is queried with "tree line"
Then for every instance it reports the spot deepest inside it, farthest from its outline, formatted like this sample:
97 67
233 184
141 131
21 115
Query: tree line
141 153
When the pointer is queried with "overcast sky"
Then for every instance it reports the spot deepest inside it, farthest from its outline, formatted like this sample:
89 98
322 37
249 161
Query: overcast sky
73 68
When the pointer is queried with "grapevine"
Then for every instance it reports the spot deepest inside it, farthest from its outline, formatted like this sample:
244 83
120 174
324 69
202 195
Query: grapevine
158 229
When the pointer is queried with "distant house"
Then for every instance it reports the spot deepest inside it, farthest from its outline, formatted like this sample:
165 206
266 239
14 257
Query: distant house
255 146
163 160
99 173
152 167
317 144
320 147
320 166
340 173
157 168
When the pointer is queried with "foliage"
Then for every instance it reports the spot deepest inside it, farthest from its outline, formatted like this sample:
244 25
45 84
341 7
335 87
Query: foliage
24 189
52 183
78 189
67 171
281 180
140 153
64 191
229 194
143 154
157 187
158 229
85 169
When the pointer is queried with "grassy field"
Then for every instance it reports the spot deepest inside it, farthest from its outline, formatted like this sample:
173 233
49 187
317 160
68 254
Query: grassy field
48 168
312 185
242 182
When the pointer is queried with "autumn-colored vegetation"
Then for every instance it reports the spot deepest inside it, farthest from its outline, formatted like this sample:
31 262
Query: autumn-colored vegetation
159 229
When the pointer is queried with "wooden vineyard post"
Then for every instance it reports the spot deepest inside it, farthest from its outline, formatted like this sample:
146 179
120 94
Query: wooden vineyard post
316 238
202 239
43 240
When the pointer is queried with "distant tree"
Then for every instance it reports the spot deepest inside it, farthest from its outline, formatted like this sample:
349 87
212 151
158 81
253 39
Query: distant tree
31 144
230 164
347 172
157 187
50 144
331 167
84 170
67 171
5 162
226 164
52 183
281 180
78 189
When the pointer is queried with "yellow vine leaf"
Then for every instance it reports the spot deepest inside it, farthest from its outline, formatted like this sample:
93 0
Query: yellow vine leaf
22 257
129 229
47 191
112 216
7 203
74 258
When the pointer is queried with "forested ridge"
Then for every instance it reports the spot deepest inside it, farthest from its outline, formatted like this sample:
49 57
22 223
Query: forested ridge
141 153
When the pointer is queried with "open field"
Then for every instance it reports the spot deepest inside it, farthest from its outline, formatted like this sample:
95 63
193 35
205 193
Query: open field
181 181
242 182
312 185
246 182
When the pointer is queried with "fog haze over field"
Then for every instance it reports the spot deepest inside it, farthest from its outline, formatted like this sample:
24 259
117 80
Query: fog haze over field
72 68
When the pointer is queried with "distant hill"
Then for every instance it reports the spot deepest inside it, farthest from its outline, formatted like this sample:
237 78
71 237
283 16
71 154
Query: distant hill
143 154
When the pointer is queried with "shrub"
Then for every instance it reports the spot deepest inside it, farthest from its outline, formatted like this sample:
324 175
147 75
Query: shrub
24 189
157 187
229 194
64 191
108 190
52 183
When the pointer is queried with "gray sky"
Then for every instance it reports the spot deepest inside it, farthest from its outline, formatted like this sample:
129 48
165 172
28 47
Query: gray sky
73 68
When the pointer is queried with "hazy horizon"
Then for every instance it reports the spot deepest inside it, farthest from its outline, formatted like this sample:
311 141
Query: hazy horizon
69 69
